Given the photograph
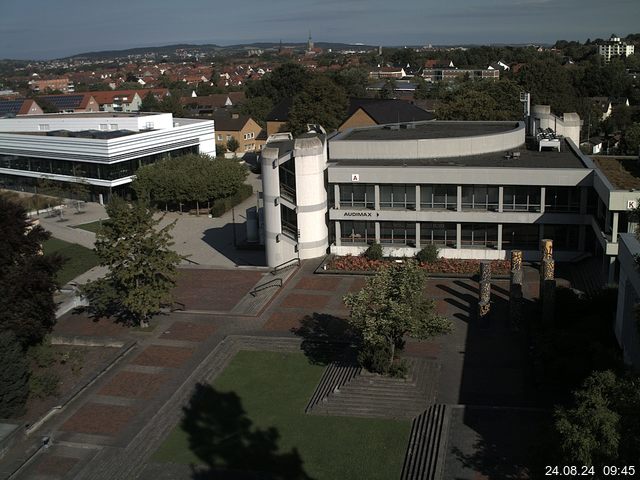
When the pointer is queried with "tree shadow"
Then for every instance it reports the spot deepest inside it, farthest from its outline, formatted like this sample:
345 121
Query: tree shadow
510 445
225 439
326 338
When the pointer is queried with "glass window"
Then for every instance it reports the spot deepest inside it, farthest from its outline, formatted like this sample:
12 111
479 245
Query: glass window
289 222
398 233
562 199
484 235
443 197
443 234
479 197
521 199
362 233
398 196
357 195
520 236
565 237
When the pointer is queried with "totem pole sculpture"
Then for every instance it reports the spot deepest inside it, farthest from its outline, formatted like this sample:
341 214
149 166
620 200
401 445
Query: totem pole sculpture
547 280
484 300
515 290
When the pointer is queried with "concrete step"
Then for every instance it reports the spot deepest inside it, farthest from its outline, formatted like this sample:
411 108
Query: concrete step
426 449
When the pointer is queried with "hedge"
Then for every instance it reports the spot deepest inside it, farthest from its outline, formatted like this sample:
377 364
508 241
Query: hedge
223 205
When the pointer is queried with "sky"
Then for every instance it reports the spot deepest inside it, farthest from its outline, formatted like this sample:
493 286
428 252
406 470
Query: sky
44 29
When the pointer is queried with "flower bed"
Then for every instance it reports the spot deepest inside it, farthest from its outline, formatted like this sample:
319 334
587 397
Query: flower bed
441 266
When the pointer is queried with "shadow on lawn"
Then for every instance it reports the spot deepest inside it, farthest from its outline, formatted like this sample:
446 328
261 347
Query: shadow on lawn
221 435
326 338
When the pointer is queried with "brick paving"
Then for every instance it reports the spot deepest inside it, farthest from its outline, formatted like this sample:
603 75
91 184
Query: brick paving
133 385
214 289
188 331
161 356
99 419
318 283
55 465
82 324
301 300
474 358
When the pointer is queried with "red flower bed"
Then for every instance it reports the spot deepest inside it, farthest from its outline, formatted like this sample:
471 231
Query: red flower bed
443 265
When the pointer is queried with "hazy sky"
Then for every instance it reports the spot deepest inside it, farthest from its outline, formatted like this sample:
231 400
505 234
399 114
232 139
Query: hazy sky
53 28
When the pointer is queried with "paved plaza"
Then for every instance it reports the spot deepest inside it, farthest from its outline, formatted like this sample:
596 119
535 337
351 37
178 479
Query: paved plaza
111 430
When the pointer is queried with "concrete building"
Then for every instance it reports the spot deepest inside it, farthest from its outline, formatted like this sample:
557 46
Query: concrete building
626 327
101 150
474 189
614 47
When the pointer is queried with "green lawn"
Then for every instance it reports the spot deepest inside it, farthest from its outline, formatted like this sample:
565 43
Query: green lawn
80 259
274 389
90 227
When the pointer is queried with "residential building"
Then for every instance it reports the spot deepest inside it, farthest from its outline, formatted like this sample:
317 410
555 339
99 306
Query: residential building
243 128
24 106
119 100
206 105
364 112
63 85
102 150
71 103
449 74
388 72
615 47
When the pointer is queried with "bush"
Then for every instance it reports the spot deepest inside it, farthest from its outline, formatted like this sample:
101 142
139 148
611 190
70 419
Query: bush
374 252
44 384
399 369
222 205
375 357
428 254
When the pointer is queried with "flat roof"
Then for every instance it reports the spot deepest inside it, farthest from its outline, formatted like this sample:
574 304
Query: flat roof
623 173
96 134
90 115
428 130
529 158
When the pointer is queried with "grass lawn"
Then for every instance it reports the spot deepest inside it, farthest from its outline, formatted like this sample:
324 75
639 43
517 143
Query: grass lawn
90 227
274 389
80 259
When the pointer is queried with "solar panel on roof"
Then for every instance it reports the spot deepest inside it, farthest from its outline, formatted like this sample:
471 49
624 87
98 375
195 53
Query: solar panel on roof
10 106
66 102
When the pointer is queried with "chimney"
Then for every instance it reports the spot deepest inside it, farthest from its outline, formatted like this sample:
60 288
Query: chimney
234 115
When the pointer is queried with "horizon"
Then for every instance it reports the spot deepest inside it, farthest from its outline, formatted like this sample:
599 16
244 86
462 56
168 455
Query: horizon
54 33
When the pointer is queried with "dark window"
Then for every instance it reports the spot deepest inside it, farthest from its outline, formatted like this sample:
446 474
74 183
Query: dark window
362 233
519 236
398 196
398 233
521 199
442 197
562 199
443 234
357 196
479 197
289 222
479 235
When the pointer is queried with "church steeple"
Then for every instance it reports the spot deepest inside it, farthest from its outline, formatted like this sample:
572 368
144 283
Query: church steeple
309 43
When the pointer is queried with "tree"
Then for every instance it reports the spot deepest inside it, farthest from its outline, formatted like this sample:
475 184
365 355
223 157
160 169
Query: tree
14 376
422 91
390 306
632 139
353 80
149 103
603 426
549 84
257 108
482 100
27 278
321 102
171 104
233 145
142 266
285 81
388 89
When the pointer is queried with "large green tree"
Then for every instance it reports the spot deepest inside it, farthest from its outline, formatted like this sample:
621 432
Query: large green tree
142 266
189 179
602 427
481 100
14 375
285 81
549 84
391 306
321 102
632 139
27 278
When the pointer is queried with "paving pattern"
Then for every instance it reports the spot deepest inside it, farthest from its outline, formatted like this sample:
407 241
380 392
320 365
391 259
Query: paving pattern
112 430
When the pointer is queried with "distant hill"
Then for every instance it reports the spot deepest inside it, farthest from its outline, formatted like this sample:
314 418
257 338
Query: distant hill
207 48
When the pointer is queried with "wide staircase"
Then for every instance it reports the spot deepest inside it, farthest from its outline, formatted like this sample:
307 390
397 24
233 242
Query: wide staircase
426 451
371 395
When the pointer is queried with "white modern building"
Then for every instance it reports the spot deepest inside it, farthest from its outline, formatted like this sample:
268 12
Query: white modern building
614 47
102 150
474 189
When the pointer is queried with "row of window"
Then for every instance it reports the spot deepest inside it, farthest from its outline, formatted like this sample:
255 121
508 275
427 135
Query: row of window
474 197
98 171
483 235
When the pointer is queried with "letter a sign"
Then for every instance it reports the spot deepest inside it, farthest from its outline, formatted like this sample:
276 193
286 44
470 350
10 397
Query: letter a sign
355 177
